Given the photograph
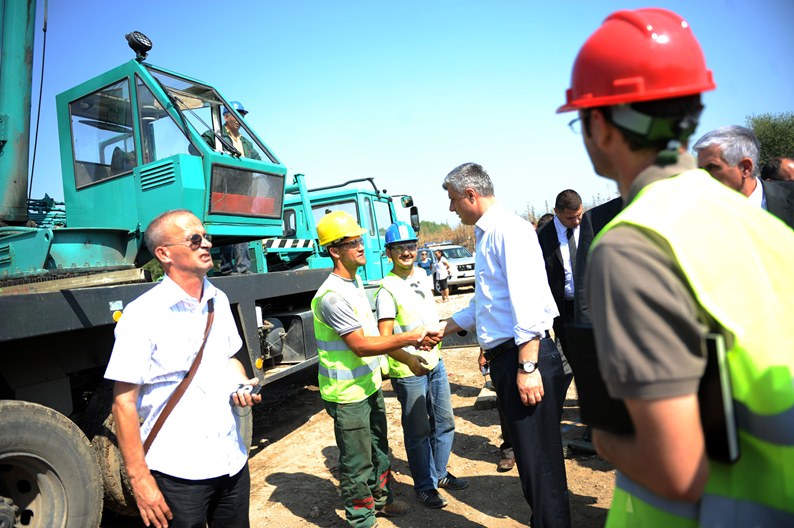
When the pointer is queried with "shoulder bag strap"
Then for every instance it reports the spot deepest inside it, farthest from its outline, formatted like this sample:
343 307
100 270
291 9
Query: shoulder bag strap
182 387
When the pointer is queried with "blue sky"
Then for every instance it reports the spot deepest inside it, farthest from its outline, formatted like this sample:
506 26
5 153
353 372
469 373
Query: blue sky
406 91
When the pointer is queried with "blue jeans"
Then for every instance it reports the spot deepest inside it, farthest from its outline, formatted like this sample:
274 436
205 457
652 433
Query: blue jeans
428 425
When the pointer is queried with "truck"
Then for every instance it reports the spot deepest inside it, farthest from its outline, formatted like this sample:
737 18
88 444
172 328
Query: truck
131 147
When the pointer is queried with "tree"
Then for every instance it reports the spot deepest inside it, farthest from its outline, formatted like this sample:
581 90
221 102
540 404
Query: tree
775 133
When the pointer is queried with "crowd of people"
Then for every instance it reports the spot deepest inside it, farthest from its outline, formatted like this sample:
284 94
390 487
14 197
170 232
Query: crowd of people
692 253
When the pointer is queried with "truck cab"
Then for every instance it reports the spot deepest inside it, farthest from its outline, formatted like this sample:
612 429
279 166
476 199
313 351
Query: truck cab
139 140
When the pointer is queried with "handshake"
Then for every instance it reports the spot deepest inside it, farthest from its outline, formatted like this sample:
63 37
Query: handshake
427 338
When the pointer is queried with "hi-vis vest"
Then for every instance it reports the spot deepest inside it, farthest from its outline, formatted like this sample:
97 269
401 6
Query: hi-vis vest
409 317
344 377
737 260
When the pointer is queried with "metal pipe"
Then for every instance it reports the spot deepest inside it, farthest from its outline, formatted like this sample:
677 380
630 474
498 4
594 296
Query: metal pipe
18 19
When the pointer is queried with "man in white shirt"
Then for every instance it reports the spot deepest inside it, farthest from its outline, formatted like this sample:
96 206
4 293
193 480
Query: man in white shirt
512 312
197 468
730 154
442 274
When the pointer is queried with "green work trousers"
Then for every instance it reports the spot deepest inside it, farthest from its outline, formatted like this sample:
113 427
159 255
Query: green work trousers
360 430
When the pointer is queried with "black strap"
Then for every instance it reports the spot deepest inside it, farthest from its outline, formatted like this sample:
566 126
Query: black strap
182 387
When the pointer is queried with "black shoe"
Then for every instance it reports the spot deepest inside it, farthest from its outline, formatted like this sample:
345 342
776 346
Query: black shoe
431 498
452 482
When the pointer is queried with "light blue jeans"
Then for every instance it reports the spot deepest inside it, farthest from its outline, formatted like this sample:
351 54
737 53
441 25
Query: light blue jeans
428 425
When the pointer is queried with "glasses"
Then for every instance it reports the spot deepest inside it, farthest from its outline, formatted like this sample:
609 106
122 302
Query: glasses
193 241
575 125
350 244
403 247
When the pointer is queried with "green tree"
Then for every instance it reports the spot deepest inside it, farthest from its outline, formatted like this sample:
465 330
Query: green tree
775 134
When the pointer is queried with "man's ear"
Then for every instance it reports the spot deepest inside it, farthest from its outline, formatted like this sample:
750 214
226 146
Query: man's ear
334 252
746 166
471 194
162 254
601 130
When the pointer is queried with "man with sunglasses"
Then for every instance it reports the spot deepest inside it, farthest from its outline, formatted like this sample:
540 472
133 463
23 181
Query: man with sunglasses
196 470
349 348
403 302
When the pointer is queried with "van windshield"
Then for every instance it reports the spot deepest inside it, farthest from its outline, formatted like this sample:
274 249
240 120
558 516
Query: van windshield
456 252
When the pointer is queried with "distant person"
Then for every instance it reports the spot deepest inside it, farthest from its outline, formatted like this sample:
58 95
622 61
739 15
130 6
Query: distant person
235 259
402 302
730 155
685 259
442 271
559 240
778 169
512 312
543 220
349 346
425 262
196 471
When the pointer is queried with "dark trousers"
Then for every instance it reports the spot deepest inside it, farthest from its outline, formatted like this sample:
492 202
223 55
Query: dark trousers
364 465
566 316
535 432
220 501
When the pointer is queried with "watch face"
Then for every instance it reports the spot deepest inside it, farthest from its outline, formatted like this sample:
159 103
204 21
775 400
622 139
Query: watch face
529 367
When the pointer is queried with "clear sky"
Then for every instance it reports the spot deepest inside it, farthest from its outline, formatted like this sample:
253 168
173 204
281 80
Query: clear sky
406 91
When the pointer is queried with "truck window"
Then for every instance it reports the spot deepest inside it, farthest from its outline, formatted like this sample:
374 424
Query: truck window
102 134
349 207
159 133
383 216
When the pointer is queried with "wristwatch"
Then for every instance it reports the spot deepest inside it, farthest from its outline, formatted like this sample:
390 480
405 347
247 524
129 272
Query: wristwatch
528 366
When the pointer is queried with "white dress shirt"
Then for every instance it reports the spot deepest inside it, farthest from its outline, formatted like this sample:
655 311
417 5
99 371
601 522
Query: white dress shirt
565 253
512 299
156 340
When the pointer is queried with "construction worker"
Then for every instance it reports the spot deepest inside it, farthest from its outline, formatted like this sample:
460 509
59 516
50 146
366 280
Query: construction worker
686 257
349 347
403 302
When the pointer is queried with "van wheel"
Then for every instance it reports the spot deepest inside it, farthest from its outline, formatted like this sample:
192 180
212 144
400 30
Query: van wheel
48 473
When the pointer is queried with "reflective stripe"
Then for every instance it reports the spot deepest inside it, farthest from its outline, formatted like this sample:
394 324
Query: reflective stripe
332 346
713 511
722 512
776 429
344 374
685 510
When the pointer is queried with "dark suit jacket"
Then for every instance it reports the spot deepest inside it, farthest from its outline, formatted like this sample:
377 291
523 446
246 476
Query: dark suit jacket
550 245
593 221
780 200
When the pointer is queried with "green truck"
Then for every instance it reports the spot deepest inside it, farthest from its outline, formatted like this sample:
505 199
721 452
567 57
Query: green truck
131 147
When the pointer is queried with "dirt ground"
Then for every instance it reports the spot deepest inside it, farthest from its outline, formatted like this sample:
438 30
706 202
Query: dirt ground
294 459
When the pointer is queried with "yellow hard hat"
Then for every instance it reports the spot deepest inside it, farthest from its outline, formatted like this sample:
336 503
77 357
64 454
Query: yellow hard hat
337 225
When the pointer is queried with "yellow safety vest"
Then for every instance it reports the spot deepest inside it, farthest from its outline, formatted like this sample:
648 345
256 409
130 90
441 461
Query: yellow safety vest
409 317
343 376
742 279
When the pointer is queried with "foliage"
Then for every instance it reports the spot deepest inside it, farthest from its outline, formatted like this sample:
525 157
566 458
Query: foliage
461 235
775 133
154 267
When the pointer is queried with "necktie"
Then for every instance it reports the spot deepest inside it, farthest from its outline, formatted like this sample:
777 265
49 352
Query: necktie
571 247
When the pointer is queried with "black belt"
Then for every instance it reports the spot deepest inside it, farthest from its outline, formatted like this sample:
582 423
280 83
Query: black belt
501 348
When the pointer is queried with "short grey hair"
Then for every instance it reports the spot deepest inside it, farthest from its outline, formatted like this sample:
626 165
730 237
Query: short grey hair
469 176
155 234
735 142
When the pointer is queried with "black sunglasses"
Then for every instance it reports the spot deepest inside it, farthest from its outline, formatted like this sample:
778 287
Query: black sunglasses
194 241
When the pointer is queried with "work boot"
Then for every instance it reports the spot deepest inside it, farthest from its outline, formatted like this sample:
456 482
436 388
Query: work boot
506 464
452 482
395 508
431 498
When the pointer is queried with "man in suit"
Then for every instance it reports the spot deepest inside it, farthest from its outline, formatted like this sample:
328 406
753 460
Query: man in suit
559 240
730 155
593 221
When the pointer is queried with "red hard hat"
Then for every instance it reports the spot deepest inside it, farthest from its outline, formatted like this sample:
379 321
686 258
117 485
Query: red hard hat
636 56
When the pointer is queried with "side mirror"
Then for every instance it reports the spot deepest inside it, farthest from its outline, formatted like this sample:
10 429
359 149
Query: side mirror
407 201
414 217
